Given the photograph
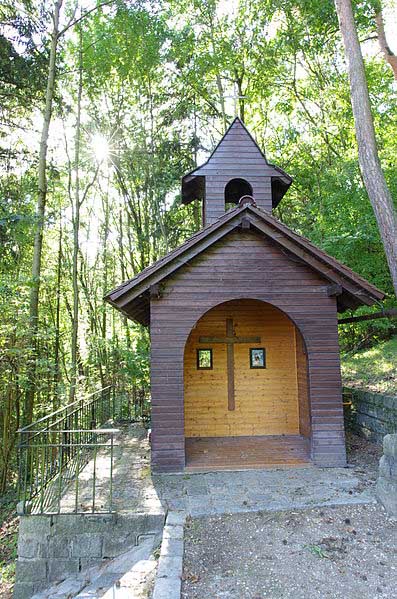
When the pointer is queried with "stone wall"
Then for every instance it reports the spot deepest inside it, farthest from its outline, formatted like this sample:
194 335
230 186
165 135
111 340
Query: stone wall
372 415
386 487
53 547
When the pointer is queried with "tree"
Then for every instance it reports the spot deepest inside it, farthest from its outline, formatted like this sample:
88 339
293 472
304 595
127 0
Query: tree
40 211
371 170
42 190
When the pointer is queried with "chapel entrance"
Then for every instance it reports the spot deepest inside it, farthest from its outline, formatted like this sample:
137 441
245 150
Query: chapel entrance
246 391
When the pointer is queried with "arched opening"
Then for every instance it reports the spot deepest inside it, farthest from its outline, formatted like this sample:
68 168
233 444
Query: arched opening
246 397
235 190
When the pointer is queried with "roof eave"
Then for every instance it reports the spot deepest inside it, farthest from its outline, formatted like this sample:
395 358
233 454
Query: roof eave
363 292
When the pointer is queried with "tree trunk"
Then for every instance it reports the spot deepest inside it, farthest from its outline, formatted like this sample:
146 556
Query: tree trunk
106 230
40 214
389 55
374 179
240 96
76 228
57 367
197 206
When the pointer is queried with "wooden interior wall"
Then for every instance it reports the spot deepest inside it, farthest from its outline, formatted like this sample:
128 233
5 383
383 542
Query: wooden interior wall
303 386
266 400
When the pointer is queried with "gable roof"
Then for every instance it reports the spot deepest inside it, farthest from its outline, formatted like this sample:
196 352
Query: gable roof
193 184
132 298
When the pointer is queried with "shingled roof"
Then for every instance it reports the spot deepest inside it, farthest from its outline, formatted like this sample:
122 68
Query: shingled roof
132 298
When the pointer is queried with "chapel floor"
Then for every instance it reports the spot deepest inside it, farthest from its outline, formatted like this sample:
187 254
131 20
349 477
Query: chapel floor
242 453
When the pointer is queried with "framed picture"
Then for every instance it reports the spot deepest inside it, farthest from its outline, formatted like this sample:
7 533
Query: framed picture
257 357
204 359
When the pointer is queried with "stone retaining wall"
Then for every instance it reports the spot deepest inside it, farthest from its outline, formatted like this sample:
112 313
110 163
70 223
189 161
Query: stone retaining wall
372 415
53 547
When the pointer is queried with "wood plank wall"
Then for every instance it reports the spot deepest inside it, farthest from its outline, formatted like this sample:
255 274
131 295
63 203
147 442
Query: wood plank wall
244 265
236 157
303 387
266 400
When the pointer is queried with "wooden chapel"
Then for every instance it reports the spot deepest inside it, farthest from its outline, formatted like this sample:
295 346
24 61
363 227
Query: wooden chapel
243 319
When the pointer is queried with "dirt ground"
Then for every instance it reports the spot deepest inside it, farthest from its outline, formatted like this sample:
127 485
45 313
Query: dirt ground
347 552
363 453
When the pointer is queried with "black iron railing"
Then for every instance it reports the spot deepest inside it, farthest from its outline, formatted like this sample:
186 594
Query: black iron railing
59 453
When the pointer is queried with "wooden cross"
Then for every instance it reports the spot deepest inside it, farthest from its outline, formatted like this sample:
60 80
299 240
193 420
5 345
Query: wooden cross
230 340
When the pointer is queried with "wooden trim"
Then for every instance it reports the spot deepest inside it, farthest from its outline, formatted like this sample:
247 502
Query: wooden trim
200 349
326 259
168 266
313 261
252 349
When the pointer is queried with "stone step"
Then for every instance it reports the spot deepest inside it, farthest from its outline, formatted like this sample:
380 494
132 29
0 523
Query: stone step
168 581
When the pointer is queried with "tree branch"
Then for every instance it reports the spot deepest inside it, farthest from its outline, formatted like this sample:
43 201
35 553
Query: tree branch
388 54
84 15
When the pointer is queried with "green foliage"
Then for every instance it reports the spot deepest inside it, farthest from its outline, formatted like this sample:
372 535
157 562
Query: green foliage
374 368
8 544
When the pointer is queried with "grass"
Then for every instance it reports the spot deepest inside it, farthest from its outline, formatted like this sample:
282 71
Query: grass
8 546
374 369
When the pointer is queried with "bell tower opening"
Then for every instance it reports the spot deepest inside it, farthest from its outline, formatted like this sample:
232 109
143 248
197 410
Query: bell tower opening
235 190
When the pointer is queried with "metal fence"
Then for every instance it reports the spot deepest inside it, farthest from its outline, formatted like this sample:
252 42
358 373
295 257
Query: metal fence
54 451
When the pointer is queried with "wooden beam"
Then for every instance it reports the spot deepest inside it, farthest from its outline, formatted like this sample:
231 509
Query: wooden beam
245 224
392 313
229 339
155 291
334 290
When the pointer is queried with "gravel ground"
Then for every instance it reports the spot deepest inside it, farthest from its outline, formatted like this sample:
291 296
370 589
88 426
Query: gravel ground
346 552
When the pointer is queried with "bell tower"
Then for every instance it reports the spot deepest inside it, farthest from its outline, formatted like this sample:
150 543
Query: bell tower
236 168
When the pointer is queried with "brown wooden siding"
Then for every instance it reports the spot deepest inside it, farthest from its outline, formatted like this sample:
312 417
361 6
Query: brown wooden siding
236 157
244 265
303 387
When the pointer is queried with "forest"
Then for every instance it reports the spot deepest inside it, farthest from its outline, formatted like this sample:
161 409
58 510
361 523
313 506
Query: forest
104 106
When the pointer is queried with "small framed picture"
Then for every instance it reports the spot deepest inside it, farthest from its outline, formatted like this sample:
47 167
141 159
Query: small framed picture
204 359
257 357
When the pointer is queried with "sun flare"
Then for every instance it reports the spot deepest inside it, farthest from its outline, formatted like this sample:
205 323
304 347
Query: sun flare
100 147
